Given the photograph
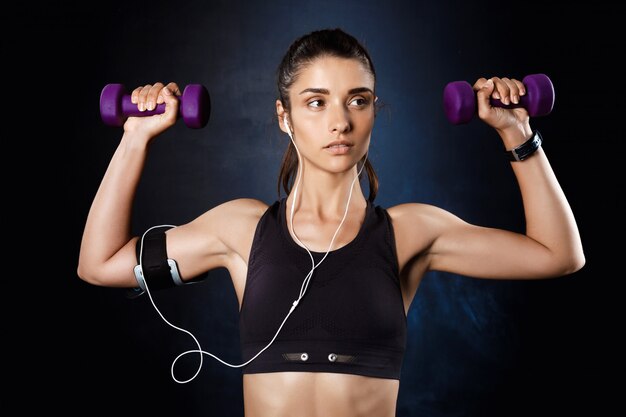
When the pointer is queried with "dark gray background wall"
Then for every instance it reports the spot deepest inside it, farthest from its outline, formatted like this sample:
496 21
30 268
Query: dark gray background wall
476 347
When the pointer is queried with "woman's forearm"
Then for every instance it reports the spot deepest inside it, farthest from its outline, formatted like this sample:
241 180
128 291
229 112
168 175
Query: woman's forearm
549 217
107 228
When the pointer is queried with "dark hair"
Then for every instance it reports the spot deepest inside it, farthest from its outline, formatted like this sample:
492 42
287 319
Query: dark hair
302 52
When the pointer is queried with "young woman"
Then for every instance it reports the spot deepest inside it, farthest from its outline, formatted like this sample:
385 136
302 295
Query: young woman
324 278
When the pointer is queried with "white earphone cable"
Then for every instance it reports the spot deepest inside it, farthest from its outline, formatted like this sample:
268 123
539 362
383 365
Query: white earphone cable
305 284
303 288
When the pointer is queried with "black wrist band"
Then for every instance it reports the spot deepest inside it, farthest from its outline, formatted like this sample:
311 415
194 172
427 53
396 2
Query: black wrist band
526 149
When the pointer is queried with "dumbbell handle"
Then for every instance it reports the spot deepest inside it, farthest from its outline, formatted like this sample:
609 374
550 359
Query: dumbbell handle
523 102
130 109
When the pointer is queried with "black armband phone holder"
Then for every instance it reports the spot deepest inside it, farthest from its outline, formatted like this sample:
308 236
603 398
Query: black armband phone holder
154 269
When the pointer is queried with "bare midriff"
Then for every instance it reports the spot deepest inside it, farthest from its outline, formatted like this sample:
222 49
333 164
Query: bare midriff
318 394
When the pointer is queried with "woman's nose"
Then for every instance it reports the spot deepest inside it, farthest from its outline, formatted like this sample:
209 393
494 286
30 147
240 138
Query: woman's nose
339 122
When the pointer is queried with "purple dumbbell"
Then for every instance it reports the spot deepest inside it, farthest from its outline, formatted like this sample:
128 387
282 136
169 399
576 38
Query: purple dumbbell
459 99
194 106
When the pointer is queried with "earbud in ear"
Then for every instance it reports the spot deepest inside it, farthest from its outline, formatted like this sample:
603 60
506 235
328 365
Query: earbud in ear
287 125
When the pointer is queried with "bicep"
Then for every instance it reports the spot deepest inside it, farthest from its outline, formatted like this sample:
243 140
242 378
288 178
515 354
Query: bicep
216 239
195 253
197 247
484 252
447 243
212 240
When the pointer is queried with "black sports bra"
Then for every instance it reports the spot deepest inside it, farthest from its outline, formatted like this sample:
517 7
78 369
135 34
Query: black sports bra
351 318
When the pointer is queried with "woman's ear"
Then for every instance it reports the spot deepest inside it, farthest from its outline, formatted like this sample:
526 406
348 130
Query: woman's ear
281 113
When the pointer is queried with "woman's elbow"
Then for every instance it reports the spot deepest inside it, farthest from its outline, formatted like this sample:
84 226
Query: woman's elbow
86 274
574 262
90 274
577 262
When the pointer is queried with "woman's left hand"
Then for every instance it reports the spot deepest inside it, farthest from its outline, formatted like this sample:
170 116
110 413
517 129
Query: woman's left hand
512 124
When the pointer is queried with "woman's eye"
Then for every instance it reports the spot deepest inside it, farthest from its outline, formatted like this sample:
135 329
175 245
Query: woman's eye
363 101
360 101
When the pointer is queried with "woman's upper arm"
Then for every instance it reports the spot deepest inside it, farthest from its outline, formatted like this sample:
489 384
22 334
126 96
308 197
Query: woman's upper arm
210 241
450 244
215 238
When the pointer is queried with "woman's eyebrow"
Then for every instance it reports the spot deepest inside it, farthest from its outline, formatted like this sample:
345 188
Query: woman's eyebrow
325 90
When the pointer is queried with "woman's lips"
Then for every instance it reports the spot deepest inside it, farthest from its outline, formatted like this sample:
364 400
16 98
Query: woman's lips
338 149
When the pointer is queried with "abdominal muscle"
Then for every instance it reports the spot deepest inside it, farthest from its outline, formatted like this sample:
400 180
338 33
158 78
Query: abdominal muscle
318 394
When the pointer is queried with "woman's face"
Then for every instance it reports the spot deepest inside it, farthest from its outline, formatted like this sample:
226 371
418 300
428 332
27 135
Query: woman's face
332 100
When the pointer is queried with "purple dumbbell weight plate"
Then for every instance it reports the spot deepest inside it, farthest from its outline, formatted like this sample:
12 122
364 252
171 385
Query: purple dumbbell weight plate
195 106
111 105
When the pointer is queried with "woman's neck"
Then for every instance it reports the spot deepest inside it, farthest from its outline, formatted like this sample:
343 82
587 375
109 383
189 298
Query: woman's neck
324 195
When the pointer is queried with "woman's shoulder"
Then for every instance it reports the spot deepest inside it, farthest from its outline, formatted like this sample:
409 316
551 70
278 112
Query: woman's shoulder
412 210
241 209
409 216
246 203
416 226
230 221
236 213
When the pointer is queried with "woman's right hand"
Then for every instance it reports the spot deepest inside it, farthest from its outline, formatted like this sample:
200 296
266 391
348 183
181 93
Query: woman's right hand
147 97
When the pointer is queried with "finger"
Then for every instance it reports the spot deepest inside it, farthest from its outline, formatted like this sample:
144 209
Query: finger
479 83
482 97
141 97
520 86
171 102
513 90
134 95
153 93
173 87
513 96
502 90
